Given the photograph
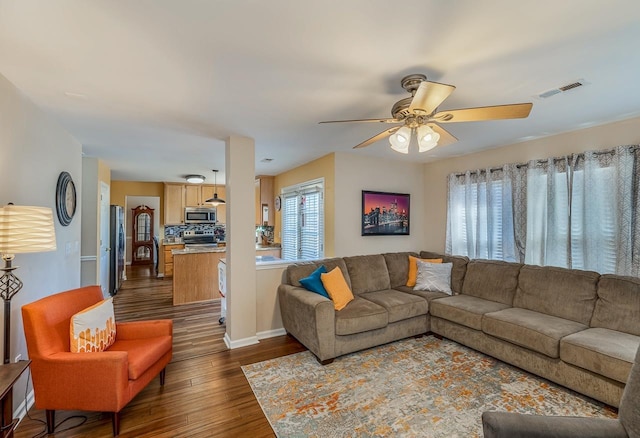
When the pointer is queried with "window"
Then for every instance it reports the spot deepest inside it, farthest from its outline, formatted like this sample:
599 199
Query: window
579 211
478 225
303 221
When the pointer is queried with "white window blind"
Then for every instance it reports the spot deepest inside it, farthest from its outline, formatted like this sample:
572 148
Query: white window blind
303 221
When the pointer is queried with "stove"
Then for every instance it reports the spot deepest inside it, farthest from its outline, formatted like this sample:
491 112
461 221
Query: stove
199 238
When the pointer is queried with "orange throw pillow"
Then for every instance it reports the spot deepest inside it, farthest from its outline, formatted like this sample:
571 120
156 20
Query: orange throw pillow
94 328
413 269
337 287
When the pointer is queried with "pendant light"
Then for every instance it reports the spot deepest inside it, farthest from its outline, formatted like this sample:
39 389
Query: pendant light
215 201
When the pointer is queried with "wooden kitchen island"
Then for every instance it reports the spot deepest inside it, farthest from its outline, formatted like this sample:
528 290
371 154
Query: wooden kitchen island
195 274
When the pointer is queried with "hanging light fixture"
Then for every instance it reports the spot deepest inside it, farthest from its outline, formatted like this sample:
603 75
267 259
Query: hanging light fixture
400 140
215 201
195 179
427 138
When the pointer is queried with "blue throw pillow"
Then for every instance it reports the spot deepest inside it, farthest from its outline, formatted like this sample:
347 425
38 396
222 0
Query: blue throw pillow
313 282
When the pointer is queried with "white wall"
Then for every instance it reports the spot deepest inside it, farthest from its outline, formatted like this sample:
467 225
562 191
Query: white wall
34 149
354 173
435 181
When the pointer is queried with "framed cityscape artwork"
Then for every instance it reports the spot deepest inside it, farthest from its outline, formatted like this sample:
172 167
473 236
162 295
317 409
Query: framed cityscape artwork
385 214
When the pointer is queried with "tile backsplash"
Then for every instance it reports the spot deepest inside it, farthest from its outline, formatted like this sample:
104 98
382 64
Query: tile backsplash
174 231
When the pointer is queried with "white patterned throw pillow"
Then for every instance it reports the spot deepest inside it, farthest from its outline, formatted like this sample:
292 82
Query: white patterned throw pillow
434 277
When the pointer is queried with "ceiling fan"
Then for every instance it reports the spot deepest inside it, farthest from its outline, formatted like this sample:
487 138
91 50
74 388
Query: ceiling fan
417 114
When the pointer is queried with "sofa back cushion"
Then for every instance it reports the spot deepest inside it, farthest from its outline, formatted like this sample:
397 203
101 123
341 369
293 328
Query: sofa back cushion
618 304
368 273
457 272
561 292
301 270
492 280
398 267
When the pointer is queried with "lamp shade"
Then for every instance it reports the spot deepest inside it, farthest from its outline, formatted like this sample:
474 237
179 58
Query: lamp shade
26 229
427 138
400 140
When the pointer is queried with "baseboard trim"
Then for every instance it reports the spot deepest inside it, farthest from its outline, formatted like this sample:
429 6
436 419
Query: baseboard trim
245 342
271 333
21 411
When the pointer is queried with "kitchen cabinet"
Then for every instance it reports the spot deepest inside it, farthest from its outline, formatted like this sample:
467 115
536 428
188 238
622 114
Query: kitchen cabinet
264 200
174 199
197 194
168 258
196 277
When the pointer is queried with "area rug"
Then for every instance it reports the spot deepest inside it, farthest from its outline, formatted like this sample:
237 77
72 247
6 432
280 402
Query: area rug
412 388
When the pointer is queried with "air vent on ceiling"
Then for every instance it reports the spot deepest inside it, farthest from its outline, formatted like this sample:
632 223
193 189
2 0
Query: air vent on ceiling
562 89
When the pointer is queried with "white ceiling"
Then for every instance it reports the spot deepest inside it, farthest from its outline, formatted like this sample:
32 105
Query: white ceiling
154 87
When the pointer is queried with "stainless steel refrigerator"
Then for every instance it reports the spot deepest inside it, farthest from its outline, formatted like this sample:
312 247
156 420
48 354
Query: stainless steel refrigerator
116 247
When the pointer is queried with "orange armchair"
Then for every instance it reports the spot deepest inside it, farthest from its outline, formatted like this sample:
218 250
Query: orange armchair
104 381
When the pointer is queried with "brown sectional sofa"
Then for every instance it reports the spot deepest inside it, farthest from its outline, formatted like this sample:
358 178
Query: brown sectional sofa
576 328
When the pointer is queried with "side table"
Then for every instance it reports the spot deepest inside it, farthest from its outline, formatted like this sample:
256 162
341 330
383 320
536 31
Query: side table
9 374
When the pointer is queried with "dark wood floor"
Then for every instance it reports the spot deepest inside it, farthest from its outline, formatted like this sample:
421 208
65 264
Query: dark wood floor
205 393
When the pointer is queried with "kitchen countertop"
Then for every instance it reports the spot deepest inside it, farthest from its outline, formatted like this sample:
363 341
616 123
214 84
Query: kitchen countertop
217 249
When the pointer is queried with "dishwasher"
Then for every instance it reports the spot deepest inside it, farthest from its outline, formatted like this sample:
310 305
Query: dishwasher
222 289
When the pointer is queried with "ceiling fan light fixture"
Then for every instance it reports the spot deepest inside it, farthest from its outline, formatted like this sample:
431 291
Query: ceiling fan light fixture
427 138
195 179
400 140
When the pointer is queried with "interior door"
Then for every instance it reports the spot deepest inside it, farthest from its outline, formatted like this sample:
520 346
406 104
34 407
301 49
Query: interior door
103 272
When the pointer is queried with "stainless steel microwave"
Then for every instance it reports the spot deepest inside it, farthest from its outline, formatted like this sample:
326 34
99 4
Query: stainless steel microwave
199 215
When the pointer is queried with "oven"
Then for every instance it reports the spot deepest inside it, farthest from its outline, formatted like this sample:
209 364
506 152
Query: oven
199 215
199 238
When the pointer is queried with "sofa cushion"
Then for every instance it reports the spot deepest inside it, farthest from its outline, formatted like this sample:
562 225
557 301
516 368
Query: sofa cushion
533 330
337 288
368 273
313 283
398 267
603 351
412 277
301 270
464 309
565 293
618 304
426 294
434 276
491 280
142 353
629 414
459 267
359 316
398 304
93 329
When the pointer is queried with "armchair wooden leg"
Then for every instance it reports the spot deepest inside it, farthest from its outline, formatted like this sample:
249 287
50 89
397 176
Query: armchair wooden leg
51 421
115 422
162 374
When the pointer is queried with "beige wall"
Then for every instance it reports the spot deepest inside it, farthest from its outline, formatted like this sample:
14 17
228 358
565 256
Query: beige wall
435 181
354 173
323 167
121 189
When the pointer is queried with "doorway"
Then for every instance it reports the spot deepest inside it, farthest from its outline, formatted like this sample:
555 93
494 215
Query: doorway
146 270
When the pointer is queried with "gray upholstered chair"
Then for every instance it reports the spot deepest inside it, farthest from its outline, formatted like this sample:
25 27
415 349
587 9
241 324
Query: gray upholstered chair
512 425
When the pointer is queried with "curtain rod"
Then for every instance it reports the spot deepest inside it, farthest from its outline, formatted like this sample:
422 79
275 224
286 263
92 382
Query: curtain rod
542 160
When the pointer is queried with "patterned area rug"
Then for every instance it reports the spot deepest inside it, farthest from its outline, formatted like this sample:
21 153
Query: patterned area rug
415 388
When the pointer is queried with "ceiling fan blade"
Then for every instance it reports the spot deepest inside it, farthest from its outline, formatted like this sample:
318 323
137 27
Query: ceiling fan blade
428 96
377 137
514 111
364 120
446 138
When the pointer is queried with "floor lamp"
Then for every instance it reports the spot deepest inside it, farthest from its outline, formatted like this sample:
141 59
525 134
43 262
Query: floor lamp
22 229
